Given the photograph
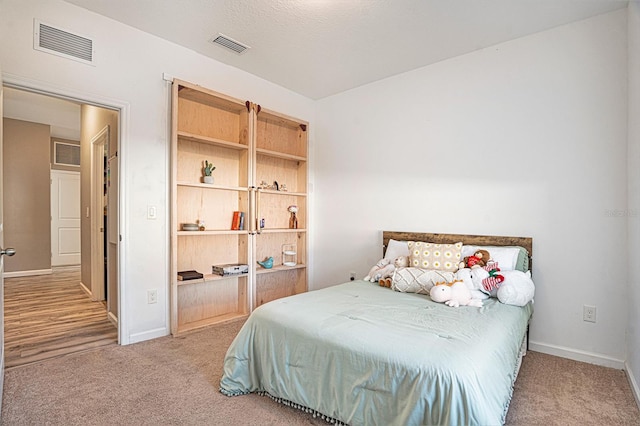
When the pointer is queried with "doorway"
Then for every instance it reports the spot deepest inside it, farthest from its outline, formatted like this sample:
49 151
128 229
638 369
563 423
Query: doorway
106 290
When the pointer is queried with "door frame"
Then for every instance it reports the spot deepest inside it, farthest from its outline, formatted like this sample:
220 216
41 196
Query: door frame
1 246
98 144
123 108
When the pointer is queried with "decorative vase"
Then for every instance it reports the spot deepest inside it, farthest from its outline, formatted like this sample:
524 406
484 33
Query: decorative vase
208 179
293 221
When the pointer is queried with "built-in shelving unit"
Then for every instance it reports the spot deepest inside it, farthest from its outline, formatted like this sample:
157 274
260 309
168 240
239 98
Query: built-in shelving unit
249 147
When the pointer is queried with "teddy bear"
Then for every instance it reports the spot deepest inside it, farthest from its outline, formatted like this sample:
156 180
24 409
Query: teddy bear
383 270
453 294
479 259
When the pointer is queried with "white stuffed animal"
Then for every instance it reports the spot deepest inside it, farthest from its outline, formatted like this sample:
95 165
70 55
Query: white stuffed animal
454 294
473 280
517 288
377 270
384 268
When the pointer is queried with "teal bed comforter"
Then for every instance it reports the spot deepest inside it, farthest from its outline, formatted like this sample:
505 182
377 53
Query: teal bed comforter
366 355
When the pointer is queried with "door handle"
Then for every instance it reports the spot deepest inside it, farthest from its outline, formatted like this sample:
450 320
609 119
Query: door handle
7 251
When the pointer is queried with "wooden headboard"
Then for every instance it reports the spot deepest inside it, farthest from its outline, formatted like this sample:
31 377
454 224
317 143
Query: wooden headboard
477 240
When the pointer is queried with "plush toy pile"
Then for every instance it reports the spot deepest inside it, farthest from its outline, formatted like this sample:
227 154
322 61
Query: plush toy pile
478 277
384 269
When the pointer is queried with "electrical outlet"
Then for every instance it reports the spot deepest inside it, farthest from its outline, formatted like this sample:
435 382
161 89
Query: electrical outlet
589 313
352 276
152 296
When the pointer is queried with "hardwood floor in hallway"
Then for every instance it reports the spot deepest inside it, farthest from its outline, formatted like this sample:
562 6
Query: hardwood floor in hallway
49 316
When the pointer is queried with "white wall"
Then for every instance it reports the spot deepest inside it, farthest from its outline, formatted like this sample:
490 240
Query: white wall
526 138
633 219
129 68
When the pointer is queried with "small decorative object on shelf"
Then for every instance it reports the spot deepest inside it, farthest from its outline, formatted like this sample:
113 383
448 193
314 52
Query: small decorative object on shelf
289 255
293 219
207 170
230 269
201 226
267 263
190 227
283 187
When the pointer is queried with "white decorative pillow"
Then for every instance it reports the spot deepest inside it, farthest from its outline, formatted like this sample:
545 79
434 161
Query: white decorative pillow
396 248
507 257
416 280
443 257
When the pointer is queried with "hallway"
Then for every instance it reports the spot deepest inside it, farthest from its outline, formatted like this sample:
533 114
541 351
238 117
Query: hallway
49 316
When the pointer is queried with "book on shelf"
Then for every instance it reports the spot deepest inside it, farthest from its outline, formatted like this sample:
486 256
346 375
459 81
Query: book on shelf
189 275
237 221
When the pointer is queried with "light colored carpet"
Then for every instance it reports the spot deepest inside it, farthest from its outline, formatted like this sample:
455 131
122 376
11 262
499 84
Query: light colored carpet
174 381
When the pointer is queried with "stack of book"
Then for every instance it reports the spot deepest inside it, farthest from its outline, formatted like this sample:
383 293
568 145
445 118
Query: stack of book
237 222
189 275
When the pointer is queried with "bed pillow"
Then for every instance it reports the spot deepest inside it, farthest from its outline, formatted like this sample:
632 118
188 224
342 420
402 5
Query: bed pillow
396 248
509 258
416 280
441 257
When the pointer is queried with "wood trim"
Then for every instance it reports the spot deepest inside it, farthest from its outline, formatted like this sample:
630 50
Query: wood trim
28 273
481 240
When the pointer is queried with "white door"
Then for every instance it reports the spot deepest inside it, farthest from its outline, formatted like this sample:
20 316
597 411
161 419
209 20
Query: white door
65 218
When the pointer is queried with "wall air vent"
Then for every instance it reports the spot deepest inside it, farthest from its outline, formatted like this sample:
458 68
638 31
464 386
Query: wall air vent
230 43
66 154
50 39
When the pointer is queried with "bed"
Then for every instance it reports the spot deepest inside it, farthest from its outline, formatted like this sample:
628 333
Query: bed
362 354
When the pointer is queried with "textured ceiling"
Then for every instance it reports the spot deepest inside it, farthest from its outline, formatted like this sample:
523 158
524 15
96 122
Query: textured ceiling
321 47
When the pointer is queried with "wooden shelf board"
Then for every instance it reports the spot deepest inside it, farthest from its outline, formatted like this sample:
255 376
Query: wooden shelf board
183 328
273 191
279 268
206 96
209 278
210 186
280 230
282 155
283 119
213 232
211 141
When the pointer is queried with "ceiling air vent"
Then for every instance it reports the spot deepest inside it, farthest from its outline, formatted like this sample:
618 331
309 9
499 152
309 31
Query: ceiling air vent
230 43
47 38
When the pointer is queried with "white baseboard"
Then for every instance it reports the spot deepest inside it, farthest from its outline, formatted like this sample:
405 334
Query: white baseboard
28 273
577 355
633 383
148 335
